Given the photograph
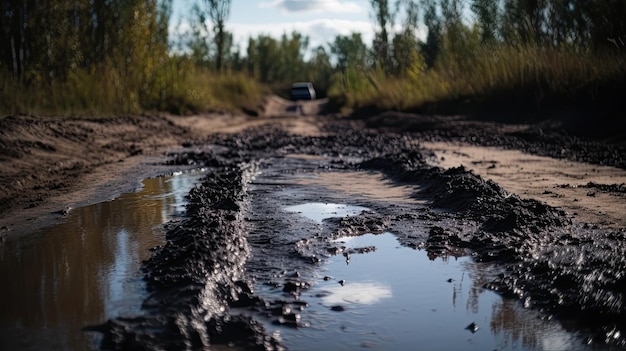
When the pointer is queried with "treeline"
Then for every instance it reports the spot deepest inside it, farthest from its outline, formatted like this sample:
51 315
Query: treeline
46 43
116 56
433 51
103 57
526 52
47 39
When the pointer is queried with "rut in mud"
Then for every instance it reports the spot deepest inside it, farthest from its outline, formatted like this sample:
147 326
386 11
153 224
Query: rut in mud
233 236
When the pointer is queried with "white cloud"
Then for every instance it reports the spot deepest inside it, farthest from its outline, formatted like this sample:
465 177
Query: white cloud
367 293
320 31
315 6
320 20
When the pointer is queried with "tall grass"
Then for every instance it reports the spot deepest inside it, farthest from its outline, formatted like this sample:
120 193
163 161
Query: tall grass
530 73
175 86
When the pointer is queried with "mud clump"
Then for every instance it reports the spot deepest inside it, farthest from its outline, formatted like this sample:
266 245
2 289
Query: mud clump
576 275
553 265
544 138
195 276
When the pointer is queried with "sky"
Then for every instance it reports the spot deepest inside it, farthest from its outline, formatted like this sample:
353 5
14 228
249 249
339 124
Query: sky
320 20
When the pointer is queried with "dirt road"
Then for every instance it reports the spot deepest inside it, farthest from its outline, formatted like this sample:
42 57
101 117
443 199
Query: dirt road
547 206
49 165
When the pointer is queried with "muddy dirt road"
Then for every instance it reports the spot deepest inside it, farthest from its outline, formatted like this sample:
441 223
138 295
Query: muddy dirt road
543 208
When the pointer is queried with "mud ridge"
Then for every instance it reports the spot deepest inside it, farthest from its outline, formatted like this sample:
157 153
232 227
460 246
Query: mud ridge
194 277
544 138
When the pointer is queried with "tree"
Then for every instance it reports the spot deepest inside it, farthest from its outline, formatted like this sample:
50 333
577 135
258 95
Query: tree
219 10
433 23
320 70
452 23
405 43
197 39
524 22
46 39
266 65
350 51
384 20
292 49
486 12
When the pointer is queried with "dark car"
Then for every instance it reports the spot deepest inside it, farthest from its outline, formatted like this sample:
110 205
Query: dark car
302 91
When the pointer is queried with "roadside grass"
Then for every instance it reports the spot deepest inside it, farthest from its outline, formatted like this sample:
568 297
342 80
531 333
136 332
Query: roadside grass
176 86
526 76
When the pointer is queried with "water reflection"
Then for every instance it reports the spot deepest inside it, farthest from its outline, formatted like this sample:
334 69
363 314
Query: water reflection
366 293
396 298
85 269
371 185
319 211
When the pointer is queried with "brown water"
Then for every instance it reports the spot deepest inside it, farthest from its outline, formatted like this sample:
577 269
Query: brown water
84 270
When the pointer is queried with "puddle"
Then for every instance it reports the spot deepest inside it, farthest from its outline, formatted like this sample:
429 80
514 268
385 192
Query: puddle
318 211
370 185
85 269
396 298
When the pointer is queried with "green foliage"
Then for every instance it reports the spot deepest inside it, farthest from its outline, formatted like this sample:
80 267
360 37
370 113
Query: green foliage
275 61
98 57
350 51
531 74
71 57
177 86
521 51
280 62
320 70
384 18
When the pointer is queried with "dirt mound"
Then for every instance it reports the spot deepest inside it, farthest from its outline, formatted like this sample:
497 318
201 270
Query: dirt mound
195 276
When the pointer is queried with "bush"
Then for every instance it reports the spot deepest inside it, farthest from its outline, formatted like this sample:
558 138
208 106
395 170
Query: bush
176 86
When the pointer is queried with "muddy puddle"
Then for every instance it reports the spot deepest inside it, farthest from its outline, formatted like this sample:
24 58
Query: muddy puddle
323 253
85 269
377 294
372 292
318 211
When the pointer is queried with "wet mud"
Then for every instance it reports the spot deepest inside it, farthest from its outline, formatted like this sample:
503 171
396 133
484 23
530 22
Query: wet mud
552 138
237 236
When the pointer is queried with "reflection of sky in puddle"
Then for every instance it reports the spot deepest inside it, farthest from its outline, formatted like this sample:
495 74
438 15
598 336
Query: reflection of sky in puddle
319 211
166 198
365 293
85 269
396 298
367 185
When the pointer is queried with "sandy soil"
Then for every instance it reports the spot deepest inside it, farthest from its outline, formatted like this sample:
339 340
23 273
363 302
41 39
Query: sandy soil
559 183
49 165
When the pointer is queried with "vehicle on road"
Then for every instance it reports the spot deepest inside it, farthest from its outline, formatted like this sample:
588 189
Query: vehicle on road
302 91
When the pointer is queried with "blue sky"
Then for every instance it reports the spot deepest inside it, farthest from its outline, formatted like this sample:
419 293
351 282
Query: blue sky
320 20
